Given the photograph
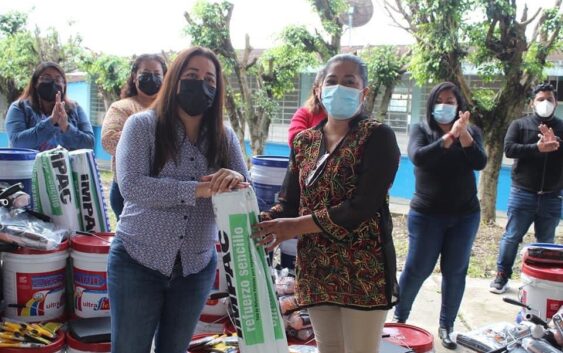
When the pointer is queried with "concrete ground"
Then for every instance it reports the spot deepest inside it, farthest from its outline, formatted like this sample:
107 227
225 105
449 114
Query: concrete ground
479 306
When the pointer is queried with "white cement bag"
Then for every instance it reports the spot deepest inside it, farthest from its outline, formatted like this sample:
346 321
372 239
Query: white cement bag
53 189
89 191
257 316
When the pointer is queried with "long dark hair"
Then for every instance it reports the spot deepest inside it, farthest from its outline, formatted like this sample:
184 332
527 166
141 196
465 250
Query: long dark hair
30 92
433 97
313 104
129 89
166 107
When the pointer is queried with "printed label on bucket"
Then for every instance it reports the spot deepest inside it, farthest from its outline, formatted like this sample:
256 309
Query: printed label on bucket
40 295
90 294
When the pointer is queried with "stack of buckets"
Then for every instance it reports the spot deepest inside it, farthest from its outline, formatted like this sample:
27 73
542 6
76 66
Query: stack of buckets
542 283
16 165
34 286
267 174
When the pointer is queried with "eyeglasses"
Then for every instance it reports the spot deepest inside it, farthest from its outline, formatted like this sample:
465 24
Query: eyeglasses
318 171
47 78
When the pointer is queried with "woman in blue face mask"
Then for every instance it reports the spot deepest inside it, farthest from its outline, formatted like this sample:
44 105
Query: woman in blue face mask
334 197
444 212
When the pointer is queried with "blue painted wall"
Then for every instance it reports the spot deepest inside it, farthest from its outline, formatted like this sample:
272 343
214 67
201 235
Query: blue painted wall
404 184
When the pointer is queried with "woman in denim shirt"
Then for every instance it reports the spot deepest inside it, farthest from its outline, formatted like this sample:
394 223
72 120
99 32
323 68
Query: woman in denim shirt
43 117
170 160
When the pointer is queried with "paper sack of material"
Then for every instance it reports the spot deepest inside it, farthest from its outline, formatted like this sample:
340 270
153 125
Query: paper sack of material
89 191
53 189
256 312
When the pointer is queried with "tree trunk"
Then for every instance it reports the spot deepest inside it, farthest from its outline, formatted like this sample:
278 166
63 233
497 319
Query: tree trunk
235 117
370 101
488 179
385 100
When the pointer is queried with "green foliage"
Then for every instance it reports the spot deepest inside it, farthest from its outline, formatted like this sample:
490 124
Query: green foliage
328 11
440 33
12 22
267 106
108 72
384 65
18 58
210 27
484 98
280 65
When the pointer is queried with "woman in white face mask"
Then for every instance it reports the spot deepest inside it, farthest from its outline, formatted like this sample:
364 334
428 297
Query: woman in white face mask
334 198
444 212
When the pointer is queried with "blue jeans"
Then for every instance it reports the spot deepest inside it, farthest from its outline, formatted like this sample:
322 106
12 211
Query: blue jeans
525 208
430 236
116 200
144 301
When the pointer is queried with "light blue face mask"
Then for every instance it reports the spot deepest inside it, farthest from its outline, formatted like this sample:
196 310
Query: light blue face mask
444 113
341 102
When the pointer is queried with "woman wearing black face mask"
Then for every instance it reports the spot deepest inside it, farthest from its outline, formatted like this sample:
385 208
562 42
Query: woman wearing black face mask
43 117
170 160
137 95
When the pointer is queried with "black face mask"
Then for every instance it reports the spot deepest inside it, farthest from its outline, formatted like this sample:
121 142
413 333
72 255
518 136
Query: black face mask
149 83
48 91
195 96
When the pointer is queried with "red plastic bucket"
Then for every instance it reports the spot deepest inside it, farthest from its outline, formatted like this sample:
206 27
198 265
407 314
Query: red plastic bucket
56 347
34 283
75 346
89 268
409 336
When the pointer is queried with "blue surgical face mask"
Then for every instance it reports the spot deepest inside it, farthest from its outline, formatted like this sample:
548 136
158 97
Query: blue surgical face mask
444 113
341 102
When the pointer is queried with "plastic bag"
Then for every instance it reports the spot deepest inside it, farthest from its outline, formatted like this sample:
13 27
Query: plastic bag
21 228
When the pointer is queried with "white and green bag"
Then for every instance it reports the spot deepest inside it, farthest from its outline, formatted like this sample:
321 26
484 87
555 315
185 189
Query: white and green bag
89 191
257 316
53 189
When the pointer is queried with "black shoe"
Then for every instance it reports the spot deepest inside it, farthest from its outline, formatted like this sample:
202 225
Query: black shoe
500 284
396 320
447 342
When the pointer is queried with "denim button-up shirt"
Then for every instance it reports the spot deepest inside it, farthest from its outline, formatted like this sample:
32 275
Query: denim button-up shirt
162 216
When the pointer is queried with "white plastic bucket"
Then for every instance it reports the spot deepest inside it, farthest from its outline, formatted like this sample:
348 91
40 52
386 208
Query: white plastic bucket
34 284
542 289
267 174
16 165
75 346
89 269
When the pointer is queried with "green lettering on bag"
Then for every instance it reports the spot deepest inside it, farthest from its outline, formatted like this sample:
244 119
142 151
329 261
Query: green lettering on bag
279 332
247 293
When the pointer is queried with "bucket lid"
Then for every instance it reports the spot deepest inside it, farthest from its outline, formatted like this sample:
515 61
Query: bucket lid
98 243
54 347
548 273
411 336
271 161
27 251
17 154
101 347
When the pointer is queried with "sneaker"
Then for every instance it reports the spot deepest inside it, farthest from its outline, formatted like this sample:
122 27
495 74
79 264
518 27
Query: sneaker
500 284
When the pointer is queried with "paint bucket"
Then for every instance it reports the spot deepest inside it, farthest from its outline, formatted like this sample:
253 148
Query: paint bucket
16 165
56 347
89 269
542 289
409 336
75 346
267 174
34 283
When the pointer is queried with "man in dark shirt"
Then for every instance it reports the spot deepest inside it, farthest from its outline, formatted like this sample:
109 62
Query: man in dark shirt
537 180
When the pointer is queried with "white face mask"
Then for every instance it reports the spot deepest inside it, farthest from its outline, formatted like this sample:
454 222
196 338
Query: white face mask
544 109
